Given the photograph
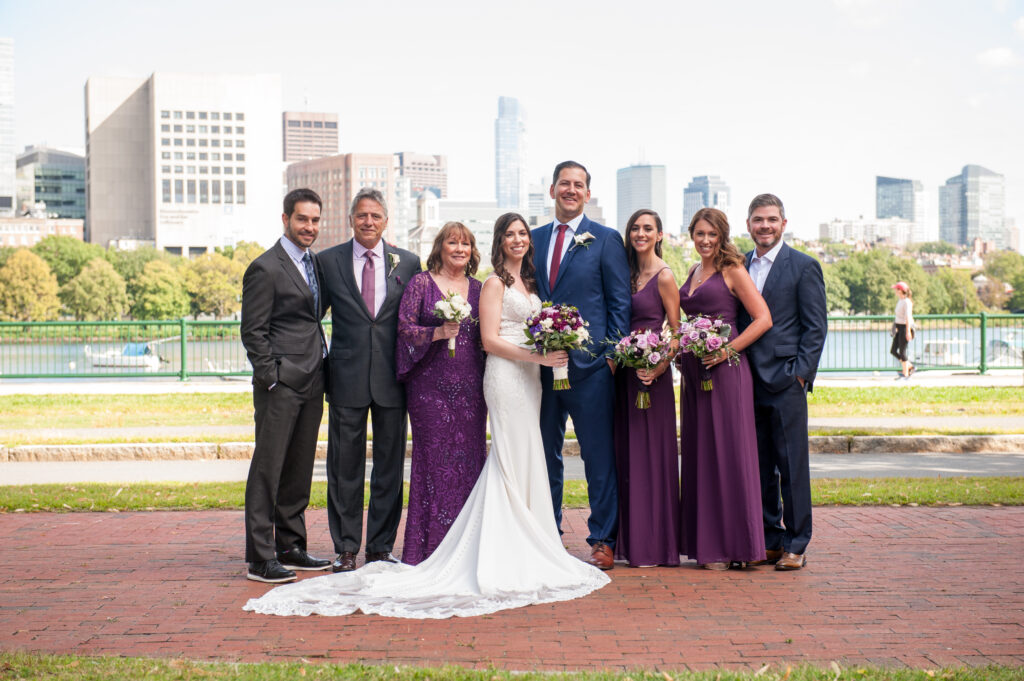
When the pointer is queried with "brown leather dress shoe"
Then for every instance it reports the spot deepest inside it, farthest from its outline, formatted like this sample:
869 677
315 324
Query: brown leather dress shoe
345 562
601 556
791 561
771 558
374 556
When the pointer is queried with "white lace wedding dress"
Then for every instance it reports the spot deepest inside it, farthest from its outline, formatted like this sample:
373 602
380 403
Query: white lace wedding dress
503 550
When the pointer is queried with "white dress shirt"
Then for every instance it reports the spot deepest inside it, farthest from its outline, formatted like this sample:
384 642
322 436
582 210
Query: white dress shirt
761 266
296 254
567 242
380 271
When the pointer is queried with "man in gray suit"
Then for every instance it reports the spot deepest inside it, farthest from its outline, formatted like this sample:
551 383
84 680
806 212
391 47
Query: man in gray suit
364 279
282 334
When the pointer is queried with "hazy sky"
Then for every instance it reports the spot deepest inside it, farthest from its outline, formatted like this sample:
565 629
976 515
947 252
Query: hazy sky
806 99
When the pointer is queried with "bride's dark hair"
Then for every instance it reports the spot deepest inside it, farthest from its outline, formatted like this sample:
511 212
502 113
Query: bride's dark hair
528 273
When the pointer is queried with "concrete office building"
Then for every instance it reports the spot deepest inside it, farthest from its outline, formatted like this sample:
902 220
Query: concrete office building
510 155
27 231
704 191
424 171
307 135
894 230
639 186
972 206
183 162
54 177
8 185
337 179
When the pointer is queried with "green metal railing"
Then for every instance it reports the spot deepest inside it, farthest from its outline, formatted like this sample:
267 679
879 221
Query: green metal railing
185 348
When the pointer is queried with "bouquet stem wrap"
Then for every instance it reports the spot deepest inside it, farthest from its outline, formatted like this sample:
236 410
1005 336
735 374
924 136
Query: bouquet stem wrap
451 346
561 378
643 398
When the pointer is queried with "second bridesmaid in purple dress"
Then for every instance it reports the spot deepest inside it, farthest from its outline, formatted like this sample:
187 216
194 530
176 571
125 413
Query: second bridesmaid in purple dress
646 451
445 394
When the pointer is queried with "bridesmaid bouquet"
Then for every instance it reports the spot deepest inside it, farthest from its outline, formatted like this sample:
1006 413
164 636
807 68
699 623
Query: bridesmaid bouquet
453 308
557 327
703 336
643 349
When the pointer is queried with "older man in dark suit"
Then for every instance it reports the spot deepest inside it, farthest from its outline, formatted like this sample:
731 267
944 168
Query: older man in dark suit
282 334
784 362
364 279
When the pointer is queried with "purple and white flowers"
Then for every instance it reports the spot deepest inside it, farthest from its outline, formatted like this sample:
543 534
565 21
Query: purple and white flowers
557 327
702 336
643 349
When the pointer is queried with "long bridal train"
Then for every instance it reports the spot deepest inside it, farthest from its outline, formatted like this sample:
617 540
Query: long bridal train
503 551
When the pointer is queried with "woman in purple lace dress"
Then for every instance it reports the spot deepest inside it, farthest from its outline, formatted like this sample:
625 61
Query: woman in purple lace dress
646 453
444 394
720 522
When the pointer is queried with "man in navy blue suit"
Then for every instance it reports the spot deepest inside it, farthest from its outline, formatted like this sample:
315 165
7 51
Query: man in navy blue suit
582 263
784 362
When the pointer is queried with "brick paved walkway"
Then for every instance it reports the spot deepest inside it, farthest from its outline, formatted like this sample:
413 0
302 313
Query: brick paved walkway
910 587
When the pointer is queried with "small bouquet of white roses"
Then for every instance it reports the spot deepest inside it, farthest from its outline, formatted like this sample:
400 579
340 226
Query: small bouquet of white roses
643 349
453 308
703 336
557 327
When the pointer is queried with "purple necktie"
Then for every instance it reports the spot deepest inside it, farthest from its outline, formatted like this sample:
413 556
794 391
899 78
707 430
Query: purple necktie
369 282
556 257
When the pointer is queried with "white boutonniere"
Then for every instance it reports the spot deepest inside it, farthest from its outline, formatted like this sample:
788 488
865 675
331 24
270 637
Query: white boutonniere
393 260
583 240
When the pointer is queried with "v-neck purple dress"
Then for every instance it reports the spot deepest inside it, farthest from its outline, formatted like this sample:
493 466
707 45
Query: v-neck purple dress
721 488
447 414
646 453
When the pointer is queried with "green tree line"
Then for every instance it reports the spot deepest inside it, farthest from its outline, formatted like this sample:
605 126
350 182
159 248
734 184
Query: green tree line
64 277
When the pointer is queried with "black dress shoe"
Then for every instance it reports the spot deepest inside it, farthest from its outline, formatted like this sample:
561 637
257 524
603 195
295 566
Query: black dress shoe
374 556
345 562
298 559
269 571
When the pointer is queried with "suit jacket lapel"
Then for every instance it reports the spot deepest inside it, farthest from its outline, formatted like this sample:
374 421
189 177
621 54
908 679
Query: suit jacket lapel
584 228
293 273
346 269
391 287
775 272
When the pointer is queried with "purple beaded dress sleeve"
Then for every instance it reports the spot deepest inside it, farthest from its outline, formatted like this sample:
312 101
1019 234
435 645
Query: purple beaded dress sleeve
446 414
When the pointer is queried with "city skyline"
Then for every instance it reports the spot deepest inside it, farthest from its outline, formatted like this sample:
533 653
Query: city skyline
813 116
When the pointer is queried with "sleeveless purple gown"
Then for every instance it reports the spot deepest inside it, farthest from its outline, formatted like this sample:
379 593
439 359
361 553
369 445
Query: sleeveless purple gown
721 488
447 414
646 454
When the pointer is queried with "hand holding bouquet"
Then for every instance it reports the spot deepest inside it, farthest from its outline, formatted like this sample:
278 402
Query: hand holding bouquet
703 336
453 308
643 349
557 327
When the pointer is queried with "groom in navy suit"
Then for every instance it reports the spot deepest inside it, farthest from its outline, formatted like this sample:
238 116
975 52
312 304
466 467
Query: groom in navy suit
784 362
582 263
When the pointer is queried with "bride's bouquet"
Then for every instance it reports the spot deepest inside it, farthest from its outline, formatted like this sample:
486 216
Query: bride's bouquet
557 327
702 336
643 349
453 308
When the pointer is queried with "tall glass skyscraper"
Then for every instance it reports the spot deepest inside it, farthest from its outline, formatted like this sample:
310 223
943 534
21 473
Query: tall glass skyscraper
704 191
899 198
972 205
510 155
8 155
639 186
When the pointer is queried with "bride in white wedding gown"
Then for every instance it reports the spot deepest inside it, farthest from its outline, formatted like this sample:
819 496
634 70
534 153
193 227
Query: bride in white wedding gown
503 550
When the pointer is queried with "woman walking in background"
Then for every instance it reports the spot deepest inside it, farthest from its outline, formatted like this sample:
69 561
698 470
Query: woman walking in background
904 329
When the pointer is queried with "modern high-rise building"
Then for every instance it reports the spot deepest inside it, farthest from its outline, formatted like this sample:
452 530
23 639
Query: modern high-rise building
54 177
424 171
510 155
339 178
8 153
307 135
704 191
972 206
183 162
904 199
639 186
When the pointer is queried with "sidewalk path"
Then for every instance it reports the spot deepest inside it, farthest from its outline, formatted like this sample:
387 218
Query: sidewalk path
907 587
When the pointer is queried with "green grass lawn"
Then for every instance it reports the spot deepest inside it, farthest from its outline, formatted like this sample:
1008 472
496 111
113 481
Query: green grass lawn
15 665
103 497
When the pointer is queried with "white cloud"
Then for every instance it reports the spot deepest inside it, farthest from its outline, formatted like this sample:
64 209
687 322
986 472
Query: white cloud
1019 26
865 13
860 69
997 57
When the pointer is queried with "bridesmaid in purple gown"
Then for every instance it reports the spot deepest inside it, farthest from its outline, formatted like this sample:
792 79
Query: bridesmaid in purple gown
646 453
444 394
721 489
